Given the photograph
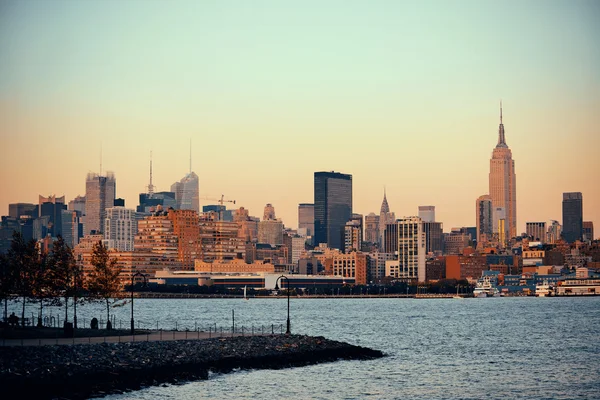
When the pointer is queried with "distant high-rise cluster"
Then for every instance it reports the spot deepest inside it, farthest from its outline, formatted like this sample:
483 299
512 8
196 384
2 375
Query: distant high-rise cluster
168 237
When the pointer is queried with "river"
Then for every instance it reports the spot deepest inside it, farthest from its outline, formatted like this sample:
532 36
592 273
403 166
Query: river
518 347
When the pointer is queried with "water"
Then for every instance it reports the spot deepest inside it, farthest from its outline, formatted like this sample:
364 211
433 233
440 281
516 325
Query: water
529 348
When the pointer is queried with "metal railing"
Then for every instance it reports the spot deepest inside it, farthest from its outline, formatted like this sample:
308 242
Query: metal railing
145 331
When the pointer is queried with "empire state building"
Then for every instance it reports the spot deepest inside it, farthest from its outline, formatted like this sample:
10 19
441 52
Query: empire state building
503 183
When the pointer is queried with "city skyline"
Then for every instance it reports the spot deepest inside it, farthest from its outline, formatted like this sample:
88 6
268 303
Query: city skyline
370 93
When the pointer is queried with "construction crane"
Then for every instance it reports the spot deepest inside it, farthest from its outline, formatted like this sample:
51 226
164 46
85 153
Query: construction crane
220 201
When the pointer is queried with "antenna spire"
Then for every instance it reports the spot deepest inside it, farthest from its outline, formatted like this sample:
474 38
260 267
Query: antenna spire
190 155
501 137
100 158
150 186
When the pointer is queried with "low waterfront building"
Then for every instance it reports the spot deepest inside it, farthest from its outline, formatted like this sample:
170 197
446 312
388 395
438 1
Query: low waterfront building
234 266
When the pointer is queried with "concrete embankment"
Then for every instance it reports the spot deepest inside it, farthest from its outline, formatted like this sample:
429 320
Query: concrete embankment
82 371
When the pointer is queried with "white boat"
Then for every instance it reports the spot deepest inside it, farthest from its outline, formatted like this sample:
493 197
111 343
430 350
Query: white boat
544 290
484 288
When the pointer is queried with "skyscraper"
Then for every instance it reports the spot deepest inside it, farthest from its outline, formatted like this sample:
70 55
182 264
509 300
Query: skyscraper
484 217
120 228
52 207
503 181
269 212
372 228
333 207
385 217
427 213
186 192
99 195
536 230
270 231
411 250
353 234
554 232
572 212
588 230
306 219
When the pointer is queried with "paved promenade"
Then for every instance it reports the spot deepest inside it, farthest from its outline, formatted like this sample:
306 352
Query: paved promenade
151 336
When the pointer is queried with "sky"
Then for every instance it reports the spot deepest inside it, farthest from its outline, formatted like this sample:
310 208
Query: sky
400 94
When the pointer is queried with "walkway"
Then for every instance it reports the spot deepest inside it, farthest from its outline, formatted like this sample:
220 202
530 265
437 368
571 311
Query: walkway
151 336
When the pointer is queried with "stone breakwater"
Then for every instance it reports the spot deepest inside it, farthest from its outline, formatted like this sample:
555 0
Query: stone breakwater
82 371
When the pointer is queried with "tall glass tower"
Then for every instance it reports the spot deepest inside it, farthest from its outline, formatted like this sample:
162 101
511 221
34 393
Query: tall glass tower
187 193
99 195
572 212
333 207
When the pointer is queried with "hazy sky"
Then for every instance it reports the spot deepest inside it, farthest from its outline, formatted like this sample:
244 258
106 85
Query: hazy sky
396 93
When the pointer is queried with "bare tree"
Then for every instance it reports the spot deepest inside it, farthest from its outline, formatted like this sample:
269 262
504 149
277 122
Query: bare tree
7 282
65 273
22 258
103 281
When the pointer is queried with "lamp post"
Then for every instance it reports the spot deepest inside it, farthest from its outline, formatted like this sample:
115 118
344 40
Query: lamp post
132 277
288 331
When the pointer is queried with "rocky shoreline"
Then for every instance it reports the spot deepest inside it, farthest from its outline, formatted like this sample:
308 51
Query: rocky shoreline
83 371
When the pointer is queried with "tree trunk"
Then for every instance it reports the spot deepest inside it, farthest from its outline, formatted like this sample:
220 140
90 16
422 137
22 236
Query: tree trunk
108 315
6 309
23 313
75 312
66 309
39 323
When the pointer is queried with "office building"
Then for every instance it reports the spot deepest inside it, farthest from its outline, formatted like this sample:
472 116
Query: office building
385 218
248 225
269 212
333 207
187 229
306 219
99 195
455 242
554 233
120 228
377 265
484 219
270 231
390 238
372 228
434 237
352 265
18 210
410 264
500 226
187 195
352 236
155 235
503 181
427 213
536 231
52 208
588 230
72 229
219 239
150 201
572 213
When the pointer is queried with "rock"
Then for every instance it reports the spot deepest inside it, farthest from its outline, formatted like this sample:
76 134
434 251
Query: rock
80 371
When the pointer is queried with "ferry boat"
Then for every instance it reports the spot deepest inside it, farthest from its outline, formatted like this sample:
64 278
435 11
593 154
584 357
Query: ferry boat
544 290
485 288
